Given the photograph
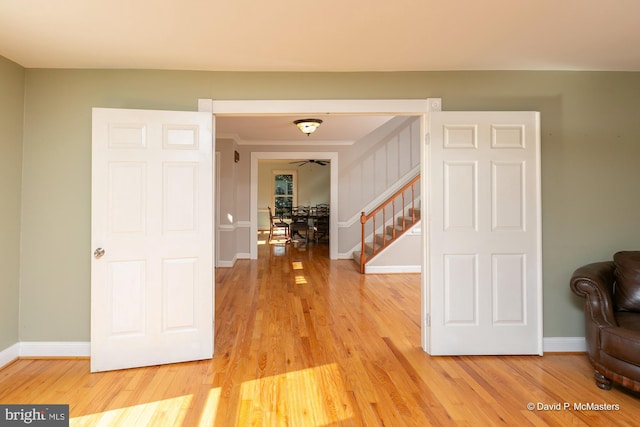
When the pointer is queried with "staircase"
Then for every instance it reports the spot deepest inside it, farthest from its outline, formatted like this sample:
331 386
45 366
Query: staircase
391 219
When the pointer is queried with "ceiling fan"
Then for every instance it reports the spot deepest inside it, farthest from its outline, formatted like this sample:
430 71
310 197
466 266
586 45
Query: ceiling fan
317 162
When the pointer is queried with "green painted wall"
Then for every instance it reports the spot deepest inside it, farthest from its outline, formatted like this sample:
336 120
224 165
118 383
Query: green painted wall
590 149
11 118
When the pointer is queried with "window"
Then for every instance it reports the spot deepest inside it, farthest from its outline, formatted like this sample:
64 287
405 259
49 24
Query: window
284 191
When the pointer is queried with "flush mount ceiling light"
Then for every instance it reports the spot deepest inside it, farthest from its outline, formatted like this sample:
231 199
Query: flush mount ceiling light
308 126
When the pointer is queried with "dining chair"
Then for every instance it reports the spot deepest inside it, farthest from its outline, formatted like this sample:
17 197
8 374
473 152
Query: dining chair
300 222
321 222
276 223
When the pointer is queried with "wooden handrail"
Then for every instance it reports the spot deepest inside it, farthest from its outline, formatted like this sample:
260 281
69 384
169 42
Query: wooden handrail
364 218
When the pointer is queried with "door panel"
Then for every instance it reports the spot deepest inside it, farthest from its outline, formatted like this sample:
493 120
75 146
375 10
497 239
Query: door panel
126 205
152 204
484 273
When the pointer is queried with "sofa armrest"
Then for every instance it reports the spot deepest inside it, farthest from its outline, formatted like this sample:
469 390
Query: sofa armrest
595 283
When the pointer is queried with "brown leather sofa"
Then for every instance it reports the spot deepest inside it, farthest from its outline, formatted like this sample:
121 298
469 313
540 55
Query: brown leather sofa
612 318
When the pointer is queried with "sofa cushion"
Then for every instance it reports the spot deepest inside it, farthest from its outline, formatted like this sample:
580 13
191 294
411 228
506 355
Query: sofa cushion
620 343
628 320
627 288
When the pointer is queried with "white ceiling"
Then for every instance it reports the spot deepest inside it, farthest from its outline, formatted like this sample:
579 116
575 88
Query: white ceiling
328 35
331 35
334 130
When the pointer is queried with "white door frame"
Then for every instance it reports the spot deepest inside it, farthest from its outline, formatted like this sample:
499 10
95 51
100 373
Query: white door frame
216 212
397 107
288 155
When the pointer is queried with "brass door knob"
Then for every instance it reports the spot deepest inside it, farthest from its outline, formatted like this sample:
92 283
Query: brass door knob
98 253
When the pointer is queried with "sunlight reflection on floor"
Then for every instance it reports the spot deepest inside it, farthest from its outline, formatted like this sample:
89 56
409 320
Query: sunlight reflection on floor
163 412
208 417
309 397
277 238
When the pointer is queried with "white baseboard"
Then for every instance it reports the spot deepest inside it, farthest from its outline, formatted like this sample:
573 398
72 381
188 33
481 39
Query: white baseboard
384 269
564 344
390 269
55 349
9 354
44 349
231 263
83 349
227 263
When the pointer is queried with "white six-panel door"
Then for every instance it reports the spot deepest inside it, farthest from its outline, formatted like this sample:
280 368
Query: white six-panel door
152 270
484 260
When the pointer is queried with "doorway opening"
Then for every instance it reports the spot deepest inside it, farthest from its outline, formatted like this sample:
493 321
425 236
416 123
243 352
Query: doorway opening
406 107
284 157
290 195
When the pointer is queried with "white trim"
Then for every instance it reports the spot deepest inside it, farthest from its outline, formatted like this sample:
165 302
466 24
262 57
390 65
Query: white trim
564 344
45 349
233 227
216 212
391 269
425 213
539 270
397 107
394 107
205 105
413 107
236 257
228 264
333 202
82 348
55 349
9 354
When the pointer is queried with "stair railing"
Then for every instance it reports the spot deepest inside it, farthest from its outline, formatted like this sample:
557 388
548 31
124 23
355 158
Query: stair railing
372 218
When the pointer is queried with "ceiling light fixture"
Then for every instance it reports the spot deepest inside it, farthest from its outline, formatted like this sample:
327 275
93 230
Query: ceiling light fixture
308 126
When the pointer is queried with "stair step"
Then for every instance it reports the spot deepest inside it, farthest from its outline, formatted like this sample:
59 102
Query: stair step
368 248
380 239
389 230
407 220
356 254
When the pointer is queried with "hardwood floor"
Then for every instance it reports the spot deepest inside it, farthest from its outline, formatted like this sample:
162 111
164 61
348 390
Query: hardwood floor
305 341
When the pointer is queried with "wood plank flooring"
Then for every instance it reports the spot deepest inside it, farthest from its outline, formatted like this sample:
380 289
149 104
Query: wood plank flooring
305 341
